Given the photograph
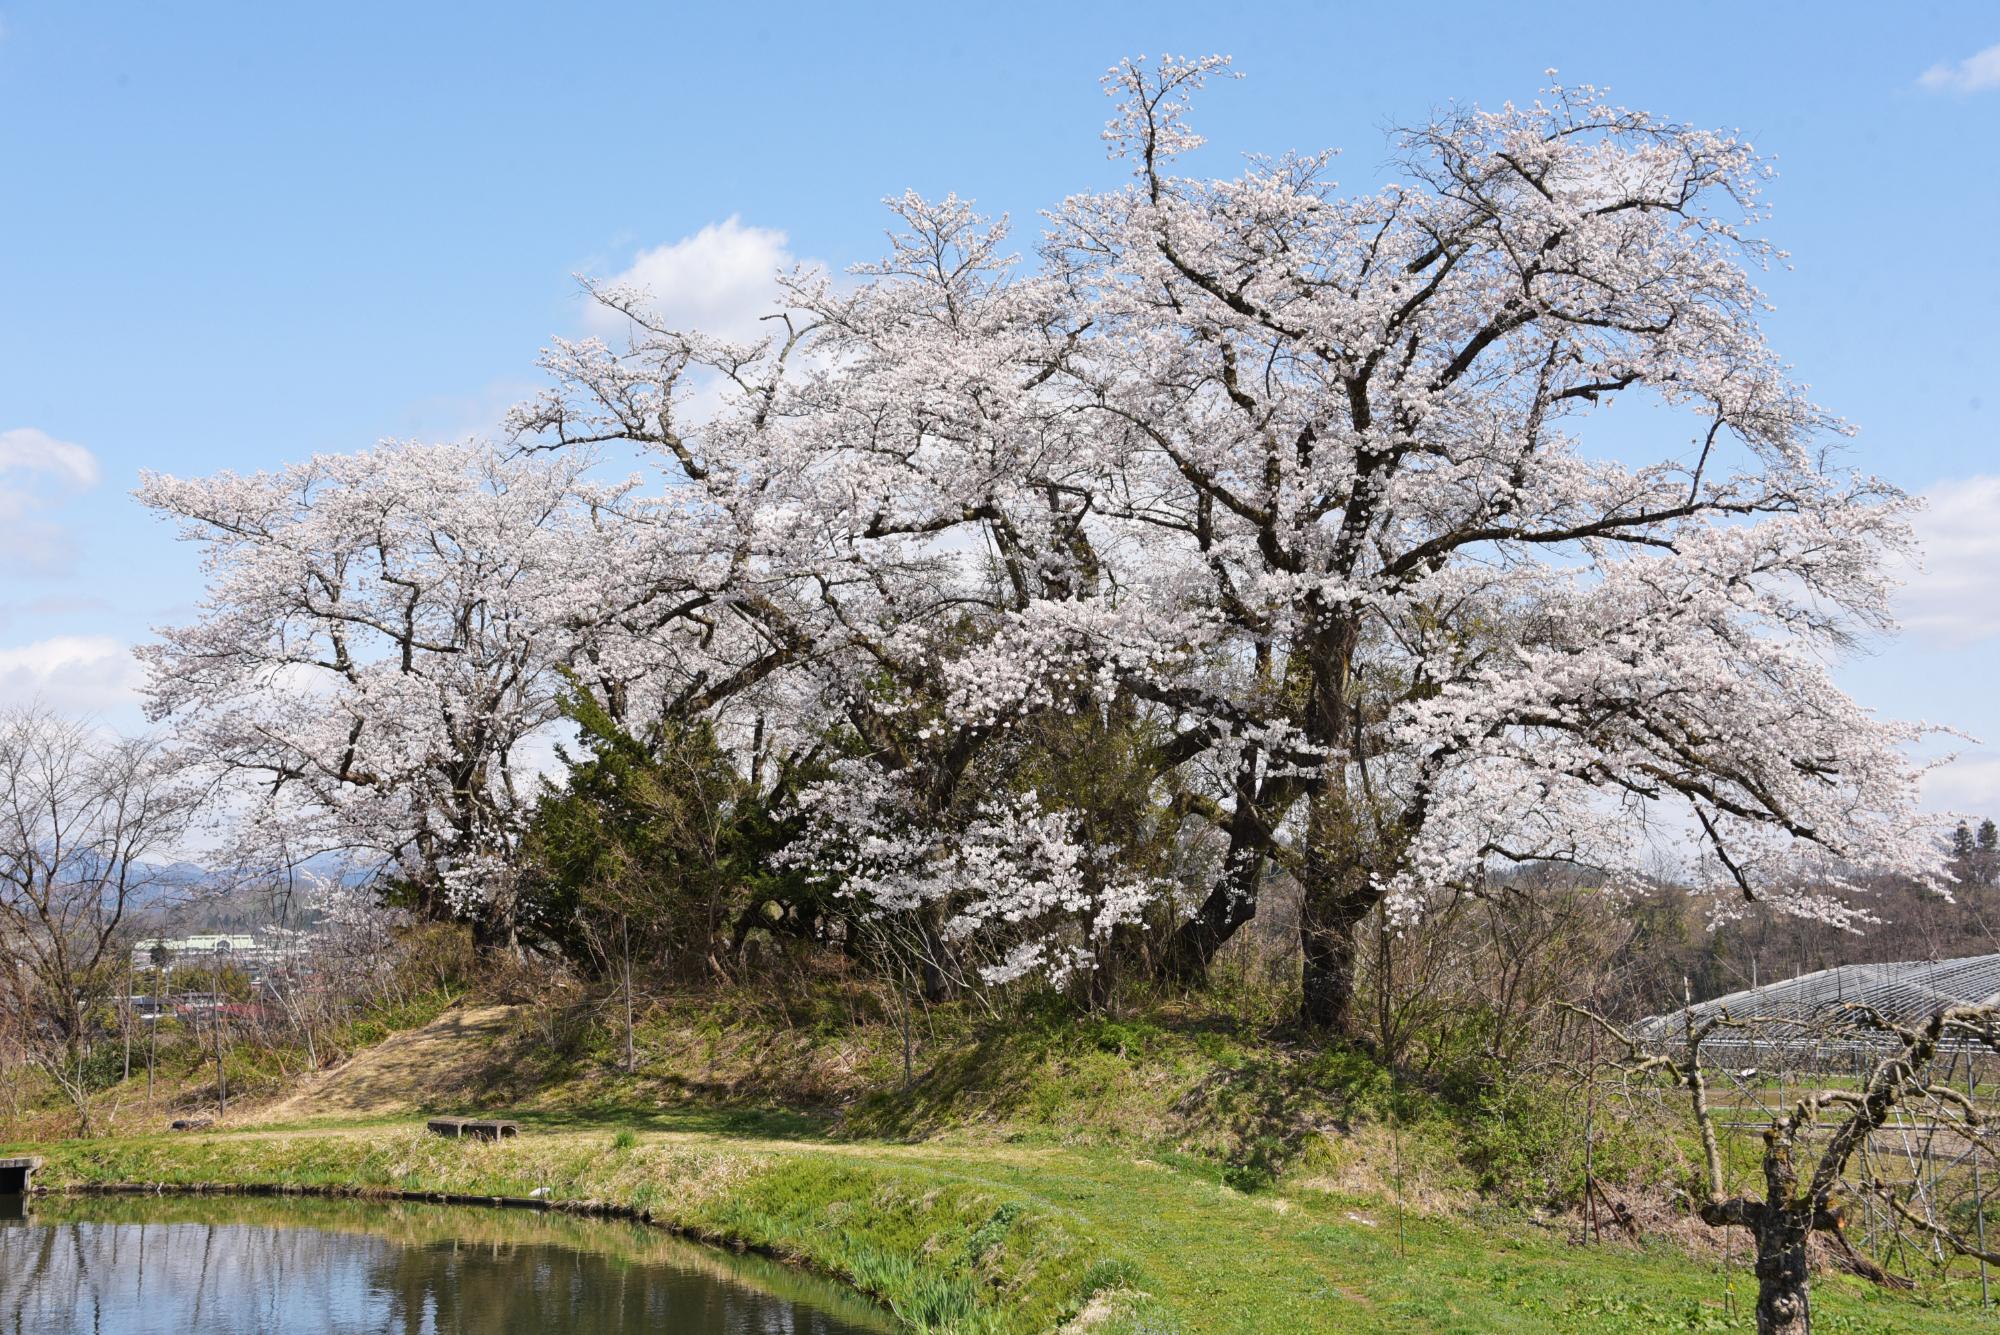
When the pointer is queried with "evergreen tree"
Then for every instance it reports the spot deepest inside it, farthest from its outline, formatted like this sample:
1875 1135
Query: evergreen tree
656 848
1964 854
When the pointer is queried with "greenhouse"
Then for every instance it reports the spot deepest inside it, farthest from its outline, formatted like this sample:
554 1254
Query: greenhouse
1808 1019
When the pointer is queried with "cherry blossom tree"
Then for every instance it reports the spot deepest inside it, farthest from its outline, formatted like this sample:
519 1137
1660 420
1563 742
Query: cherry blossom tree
378 651
1316 492
1350 431
1306 473
871 489
1008 877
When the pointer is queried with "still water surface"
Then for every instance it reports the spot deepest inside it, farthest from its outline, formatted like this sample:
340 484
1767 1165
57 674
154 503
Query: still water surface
235 1266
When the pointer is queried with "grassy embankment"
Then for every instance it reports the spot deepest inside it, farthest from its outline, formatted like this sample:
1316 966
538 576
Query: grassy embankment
1134 1177
172 1070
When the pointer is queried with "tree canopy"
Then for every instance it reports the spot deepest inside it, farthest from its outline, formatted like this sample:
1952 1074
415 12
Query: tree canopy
1295 500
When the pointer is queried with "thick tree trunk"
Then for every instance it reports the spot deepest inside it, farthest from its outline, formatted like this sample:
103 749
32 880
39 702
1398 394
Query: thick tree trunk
1342 837
1328 926
1784 1306
1779 1229
1338 894
494 934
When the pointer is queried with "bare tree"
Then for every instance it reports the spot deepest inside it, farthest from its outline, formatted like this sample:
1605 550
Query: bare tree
1816 1148
83 821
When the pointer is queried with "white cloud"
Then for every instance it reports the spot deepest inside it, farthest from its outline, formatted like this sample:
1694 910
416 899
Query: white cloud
1969 785
26 450
81 674
1954 598
1977 73
35 467
719 281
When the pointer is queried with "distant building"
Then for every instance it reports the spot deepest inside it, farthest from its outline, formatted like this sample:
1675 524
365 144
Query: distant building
169 952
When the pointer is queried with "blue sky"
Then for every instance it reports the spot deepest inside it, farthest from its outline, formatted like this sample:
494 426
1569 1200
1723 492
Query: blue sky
231 235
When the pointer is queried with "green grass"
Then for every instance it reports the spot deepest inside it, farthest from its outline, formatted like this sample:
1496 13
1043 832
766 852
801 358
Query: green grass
1019 1238
1178 1172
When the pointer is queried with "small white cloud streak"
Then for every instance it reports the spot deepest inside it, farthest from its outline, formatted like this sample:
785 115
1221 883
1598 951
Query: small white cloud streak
33 467
1953 599
23 449
1977 73
75 674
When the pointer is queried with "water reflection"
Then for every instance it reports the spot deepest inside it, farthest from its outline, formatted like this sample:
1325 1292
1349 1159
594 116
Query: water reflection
220 1266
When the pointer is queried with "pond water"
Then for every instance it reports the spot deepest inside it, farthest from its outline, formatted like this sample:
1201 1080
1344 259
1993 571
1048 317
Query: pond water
245 1266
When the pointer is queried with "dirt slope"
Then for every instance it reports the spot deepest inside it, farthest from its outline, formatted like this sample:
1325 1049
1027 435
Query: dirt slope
445 1064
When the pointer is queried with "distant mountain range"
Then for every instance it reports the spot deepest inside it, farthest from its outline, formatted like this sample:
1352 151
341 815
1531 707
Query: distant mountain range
155 883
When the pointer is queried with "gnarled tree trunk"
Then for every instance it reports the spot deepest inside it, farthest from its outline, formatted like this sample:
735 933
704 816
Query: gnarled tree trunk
1783 1304
1338 894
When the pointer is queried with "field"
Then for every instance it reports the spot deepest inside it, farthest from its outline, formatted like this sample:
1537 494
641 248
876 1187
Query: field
1135 1180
